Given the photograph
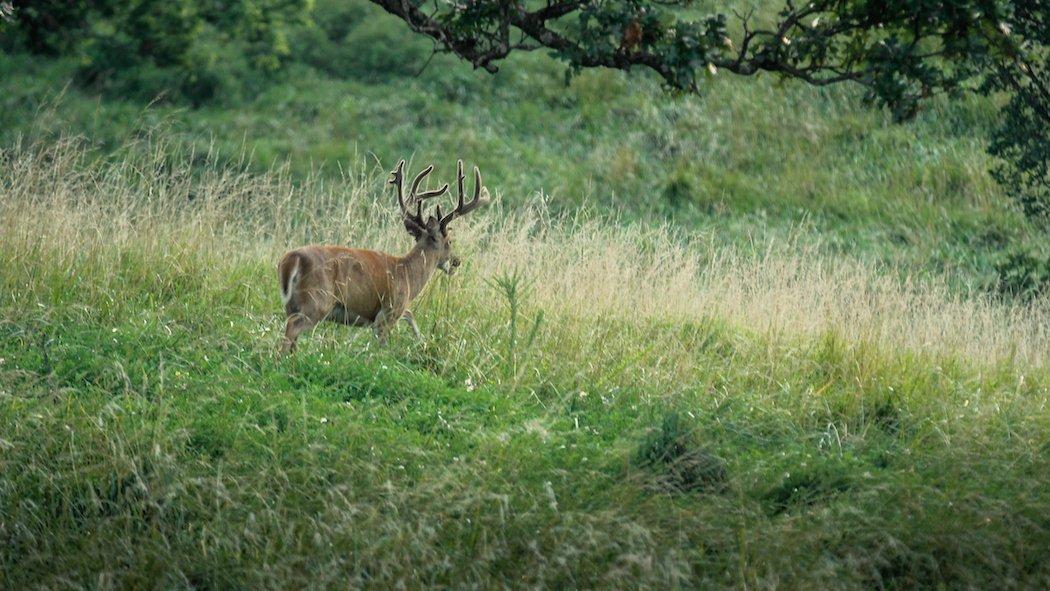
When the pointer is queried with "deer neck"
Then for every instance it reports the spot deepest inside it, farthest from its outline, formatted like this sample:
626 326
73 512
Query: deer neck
420 263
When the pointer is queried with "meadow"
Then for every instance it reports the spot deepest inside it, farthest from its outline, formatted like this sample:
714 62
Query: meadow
593 404
761 338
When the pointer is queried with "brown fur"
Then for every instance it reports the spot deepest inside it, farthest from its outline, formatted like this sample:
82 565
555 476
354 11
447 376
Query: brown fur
360 287
353 286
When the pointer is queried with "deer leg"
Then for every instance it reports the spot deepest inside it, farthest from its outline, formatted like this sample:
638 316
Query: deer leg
384 322
293 326
410 319
380 327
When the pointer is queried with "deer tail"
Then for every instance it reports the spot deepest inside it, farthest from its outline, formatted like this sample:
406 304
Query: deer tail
289 271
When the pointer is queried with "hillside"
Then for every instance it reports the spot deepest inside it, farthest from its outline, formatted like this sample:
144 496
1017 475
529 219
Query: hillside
670 413
760 338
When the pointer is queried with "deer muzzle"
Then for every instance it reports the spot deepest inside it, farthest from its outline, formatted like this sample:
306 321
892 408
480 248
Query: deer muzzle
450 265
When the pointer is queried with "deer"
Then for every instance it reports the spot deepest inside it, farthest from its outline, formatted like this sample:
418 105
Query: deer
359 287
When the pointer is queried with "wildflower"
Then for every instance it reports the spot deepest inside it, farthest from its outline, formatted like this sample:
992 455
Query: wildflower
552 500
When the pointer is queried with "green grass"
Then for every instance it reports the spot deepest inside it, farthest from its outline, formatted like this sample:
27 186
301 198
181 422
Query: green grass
152 439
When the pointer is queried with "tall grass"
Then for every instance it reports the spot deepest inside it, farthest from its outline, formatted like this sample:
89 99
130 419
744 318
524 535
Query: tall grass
151 203
866 429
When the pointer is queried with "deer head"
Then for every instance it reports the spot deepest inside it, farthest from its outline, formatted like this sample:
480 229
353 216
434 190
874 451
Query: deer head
432 233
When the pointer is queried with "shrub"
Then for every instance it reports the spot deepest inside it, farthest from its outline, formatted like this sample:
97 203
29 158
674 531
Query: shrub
674 452
1024 272
679 189
802 487
146 48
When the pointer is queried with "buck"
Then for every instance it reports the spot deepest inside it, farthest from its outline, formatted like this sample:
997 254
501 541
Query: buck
359 287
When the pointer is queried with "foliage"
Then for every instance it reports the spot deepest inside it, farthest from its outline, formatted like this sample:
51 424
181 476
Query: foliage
146 48
49 27
1024 272
1022 141
902 52
350 40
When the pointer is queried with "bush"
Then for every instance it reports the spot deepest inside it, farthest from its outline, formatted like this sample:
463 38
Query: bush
1024 272
180 49
674 452
377 50
351 40
806 486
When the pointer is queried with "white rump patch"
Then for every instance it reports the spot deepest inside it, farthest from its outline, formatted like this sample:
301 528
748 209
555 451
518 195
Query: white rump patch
286 290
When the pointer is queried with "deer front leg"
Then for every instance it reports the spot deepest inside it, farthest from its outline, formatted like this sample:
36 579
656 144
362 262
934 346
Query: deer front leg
410 319
293 327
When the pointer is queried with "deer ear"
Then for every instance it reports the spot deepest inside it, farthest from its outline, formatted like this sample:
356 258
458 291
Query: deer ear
413 228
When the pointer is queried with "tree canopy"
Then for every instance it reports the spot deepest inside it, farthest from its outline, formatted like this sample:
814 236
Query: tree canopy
901 51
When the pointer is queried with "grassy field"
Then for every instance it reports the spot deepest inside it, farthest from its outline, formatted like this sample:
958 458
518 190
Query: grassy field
761 338
661 410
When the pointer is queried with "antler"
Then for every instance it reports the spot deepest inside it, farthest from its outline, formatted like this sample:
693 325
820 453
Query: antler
461 207
397 179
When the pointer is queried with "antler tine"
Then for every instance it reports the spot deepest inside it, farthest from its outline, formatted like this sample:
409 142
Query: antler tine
459 182
477 190
426 194
433 192
397 179
461 207
419 178
397 175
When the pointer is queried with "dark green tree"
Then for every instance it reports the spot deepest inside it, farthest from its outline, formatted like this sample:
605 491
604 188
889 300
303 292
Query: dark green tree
48 27
901 51
1022 141
146 47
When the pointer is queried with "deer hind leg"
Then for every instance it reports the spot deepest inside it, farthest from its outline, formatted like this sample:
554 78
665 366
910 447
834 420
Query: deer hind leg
303 314
410 319
293 327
